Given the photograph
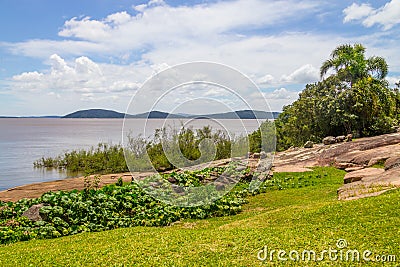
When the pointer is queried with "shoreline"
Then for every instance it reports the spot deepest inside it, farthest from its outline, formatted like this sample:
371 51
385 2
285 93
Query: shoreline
36 190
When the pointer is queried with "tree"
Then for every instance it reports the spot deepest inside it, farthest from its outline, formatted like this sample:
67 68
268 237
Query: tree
350 64
355 99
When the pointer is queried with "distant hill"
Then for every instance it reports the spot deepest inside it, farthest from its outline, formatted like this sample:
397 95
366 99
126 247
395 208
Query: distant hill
110 114
95 114
241 114
155 115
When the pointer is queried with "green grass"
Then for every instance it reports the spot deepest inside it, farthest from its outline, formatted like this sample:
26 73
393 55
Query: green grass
291 219
380 164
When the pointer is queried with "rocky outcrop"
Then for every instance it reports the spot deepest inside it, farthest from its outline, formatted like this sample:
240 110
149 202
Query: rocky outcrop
369 182
340 139
356 157
393 162
329 140
308 144
361 174
33 213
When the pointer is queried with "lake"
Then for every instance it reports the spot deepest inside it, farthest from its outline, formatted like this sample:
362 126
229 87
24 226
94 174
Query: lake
24 140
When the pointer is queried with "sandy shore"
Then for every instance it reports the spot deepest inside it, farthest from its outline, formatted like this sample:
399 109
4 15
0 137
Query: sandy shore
38 189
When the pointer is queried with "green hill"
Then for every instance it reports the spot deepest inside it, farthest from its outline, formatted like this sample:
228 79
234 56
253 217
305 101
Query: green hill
95 114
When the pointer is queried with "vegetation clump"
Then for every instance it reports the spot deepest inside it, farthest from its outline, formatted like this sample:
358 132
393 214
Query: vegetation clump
105 158
355 99
109 158
110 207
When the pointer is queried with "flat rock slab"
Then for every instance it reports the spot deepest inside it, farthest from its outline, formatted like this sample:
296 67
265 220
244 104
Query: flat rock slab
353 169
291 169
372 183
38 189
370 156
362 174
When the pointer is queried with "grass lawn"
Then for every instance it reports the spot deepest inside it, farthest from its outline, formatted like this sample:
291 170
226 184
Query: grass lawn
292 219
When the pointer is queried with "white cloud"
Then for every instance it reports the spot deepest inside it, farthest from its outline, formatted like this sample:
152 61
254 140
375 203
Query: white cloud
282 93
304 74
142 7
29 77
357 12
160 25
280 97
266 80
87 29
119 18
393 80
81 76
54 94
387 16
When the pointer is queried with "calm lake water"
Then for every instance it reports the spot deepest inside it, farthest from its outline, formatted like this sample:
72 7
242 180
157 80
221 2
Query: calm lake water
22 141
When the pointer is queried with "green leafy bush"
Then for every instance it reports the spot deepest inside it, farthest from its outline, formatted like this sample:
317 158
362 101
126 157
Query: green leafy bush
68 213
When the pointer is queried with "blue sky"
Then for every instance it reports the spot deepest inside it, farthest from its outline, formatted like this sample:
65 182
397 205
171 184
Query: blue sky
60 56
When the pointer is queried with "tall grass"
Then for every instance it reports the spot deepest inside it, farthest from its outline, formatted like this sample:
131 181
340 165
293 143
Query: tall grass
167 149
105 158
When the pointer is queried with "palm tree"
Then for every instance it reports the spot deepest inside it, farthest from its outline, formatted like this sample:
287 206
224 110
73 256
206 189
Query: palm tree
350 64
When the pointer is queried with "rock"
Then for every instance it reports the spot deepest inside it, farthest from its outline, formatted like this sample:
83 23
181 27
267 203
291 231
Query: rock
264 166
33 213
392 163
219 186
263 155
329 140
349 138
352 169
172 180
291 169
362 174
308 144
345 165
371 185
340 139
178 189
155 184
